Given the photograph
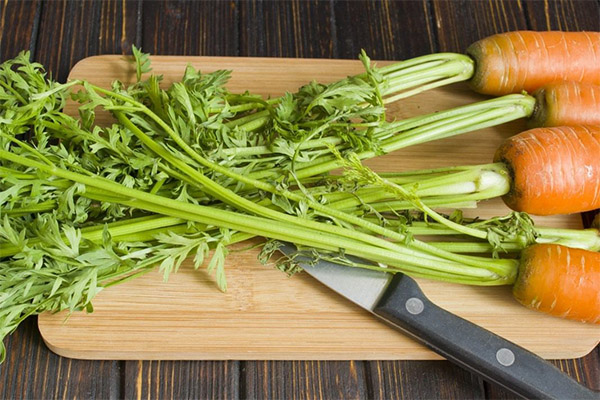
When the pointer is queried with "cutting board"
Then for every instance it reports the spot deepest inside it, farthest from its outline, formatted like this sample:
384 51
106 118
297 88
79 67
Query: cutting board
267 315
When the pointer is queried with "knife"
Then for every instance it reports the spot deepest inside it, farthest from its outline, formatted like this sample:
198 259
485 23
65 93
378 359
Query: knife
398 301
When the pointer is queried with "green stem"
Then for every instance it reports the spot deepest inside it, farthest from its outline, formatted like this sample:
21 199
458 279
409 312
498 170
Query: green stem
475 247
588 239
438 126
440 72
30 209
409 260
489 180
14 92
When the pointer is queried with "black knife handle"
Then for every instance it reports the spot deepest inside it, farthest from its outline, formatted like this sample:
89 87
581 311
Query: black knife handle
495 359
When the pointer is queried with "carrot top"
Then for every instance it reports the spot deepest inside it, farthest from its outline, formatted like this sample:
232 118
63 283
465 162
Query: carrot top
554 170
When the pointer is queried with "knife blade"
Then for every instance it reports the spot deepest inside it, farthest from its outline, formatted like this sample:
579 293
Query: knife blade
398 301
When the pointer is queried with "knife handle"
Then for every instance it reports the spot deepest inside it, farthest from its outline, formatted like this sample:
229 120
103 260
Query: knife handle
404 305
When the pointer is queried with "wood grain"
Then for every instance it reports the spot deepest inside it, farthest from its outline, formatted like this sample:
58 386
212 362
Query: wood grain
568 15
119 26
15 38
179 380
75 30
265 315
404 379
287 29
71 32
486 18
44 375
392 38
304 380
190 27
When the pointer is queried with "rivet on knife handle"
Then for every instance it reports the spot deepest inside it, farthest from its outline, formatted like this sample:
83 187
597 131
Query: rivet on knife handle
404 305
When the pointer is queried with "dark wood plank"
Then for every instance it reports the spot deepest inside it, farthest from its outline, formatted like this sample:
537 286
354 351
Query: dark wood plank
181 380
287 29
190 27
31 371
69 31
73 30
304 380
568 15
387 30
585 369
119 26
19 21
461 22
422 380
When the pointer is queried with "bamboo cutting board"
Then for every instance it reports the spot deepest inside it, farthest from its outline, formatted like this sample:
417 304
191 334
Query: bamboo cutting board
265 314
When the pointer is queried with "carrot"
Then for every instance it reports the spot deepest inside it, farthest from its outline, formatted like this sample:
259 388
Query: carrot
526 60
561 281
566 103
553 170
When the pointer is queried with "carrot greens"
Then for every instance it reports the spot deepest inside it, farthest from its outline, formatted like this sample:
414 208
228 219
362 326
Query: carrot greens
192 169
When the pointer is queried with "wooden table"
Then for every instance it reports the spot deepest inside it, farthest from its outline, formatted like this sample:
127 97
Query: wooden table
60 33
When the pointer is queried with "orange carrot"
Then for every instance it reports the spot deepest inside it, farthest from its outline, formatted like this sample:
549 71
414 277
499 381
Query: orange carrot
553 170
566 103
560 281
526 60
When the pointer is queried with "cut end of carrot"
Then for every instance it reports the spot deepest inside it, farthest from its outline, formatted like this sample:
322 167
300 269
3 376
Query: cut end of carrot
566 103
560 281
553 170
485 68
539 117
